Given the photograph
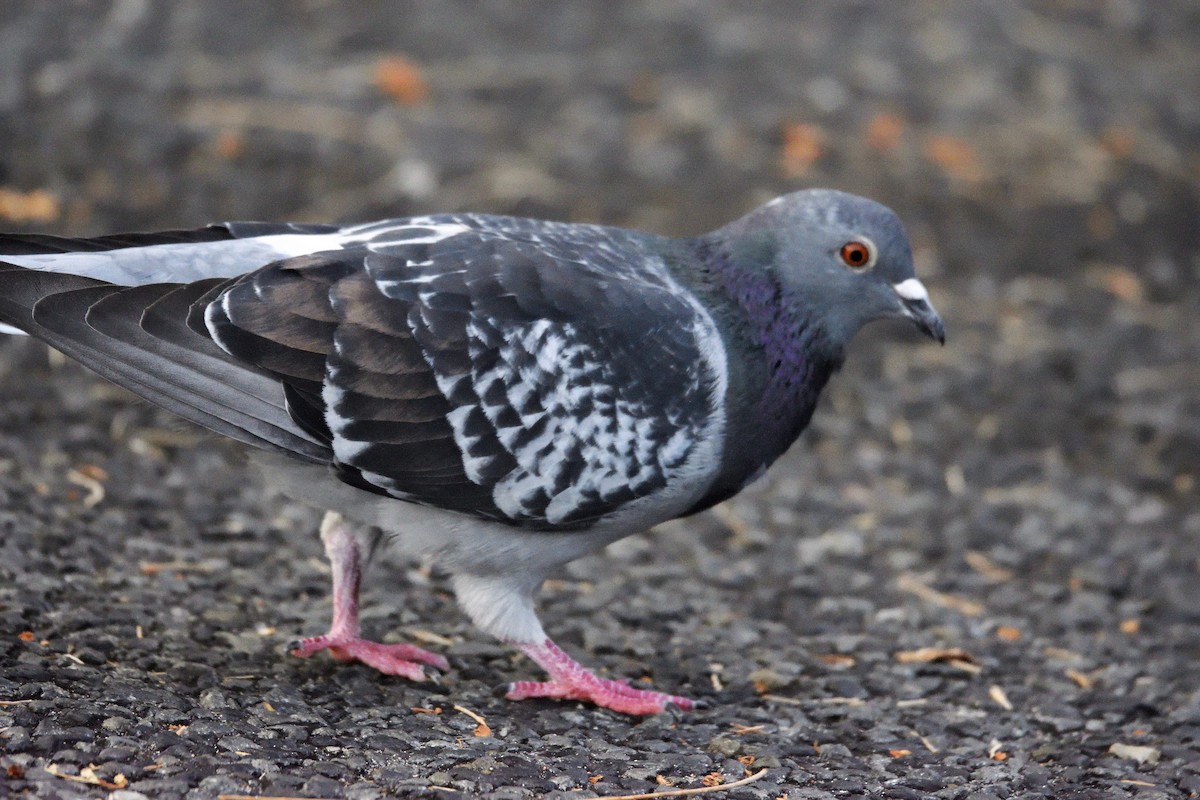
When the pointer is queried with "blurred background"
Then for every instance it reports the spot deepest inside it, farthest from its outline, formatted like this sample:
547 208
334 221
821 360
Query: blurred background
1028 493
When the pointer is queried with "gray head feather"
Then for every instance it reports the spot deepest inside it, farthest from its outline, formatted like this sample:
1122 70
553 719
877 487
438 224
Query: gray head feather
806 232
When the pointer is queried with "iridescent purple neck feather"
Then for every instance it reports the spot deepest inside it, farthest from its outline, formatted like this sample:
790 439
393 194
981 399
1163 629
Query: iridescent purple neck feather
793 346
778 356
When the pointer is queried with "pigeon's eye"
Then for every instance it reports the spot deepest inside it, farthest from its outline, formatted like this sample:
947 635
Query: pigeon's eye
858 255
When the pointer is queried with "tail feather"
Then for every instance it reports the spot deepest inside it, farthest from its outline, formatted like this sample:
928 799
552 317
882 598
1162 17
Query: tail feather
100 325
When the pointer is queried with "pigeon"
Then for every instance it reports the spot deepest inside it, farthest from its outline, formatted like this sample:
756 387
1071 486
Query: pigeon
495 394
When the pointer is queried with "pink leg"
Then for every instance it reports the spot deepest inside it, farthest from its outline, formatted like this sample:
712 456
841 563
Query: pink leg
570 680
343 641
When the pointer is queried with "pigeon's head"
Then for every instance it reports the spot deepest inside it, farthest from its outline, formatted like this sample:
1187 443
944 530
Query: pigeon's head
843 260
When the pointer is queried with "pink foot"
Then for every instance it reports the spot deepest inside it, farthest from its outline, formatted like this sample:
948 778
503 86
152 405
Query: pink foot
346 559
569 680
404 660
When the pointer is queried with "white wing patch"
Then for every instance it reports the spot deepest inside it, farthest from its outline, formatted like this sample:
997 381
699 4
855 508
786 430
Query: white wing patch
182 263
193 261
412 232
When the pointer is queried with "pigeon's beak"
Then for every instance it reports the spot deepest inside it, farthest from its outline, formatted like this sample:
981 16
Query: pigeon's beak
914 304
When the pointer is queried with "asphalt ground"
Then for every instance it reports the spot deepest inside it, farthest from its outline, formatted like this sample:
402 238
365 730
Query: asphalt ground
975 576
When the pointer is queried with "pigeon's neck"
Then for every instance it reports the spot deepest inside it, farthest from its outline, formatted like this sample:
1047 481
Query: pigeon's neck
779 361
796 354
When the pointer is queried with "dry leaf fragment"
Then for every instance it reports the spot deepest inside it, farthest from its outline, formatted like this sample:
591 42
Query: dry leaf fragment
482 730
95 489
1008 633
955 156
155 567
119 780
1061 654
986 567
88 775
1130 626
713 779
1082 679
37 205
994 751
1121 282
706 789
801 149
93 471
429 637
230 145
929 745
926 655
912 702
26 636
594 779
899 753
1000 697
837 660
911 584
884 131
401 79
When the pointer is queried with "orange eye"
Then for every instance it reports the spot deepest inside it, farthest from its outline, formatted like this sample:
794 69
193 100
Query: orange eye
856 254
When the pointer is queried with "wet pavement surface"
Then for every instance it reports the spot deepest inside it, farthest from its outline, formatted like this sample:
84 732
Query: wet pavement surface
976 576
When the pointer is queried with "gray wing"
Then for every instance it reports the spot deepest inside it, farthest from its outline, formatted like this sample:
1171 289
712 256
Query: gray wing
542 374
545 376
